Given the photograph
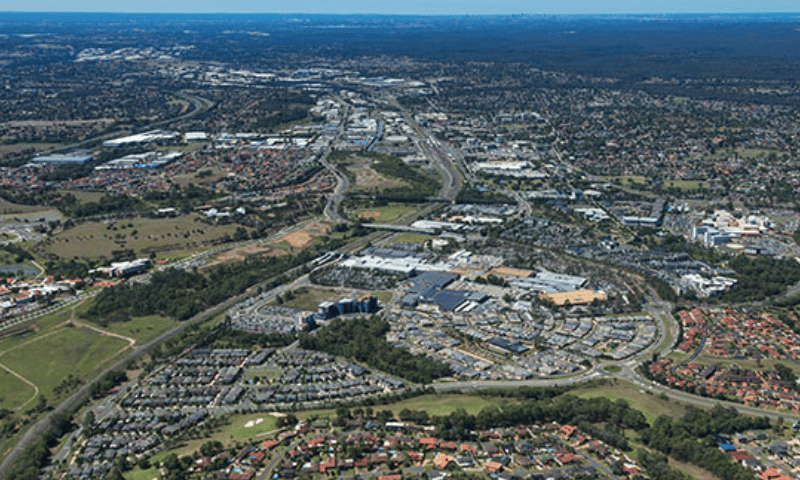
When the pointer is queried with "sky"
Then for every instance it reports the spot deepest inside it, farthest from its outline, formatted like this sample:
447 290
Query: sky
409 7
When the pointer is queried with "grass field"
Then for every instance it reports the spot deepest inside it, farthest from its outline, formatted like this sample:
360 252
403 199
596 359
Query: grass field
411 238
384 297
433 404
42 326
237 429
310 298
626 180
667 333
387 214
363 177
137 474
164 236
13 391
650 405
686 184
693 470
67 350
445 404
84 196
141 329
677 356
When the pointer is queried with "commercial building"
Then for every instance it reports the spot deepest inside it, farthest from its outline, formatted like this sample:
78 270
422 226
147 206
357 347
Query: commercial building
328 310
154 136
73 157
141 160
124 269
549 282
577 297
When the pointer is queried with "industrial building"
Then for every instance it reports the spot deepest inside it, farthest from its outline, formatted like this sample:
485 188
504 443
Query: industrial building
73 157
141 160
154 136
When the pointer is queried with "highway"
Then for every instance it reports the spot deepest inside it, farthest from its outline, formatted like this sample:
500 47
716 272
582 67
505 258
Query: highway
432 149
331 211
446 160
199 104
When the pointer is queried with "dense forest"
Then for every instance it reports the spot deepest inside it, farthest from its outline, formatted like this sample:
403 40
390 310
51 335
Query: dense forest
761 277
180 294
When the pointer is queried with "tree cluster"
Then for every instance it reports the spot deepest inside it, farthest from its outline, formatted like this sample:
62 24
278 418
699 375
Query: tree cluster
180 294
107 382
36 455
690 439
761 277
364 339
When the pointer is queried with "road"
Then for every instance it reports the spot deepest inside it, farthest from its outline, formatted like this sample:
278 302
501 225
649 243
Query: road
445 160
200 105
15 321
332 205
82 394
267 473
660 310
433 150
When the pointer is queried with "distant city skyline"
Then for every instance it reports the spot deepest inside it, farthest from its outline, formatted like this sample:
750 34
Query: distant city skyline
410 7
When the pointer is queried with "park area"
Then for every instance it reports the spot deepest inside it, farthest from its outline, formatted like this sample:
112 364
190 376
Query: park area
179 236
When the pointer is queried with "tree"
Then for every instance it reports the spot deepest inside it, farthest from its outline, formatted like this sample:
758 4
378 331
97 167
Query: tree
88 420
289 420
114 474
171 462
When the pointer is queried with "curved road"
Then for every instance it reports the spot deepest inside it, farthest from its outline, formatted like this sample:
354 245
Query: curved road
200 105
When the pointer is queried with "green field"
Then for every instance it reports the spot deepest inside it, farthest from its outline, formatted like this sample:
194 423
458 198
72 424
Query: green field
141 329
665 330
446 404
651 405
43 325
137 474
309 298
433 404
84 196
384 297
237 429
411 238
388 214
230 433
13 391
626 180
686 184
167 237
677 356
48 359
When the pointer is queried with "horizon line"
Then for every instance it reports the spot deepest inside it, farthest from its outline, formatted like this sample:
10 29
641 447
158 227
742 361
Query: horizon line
390 14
